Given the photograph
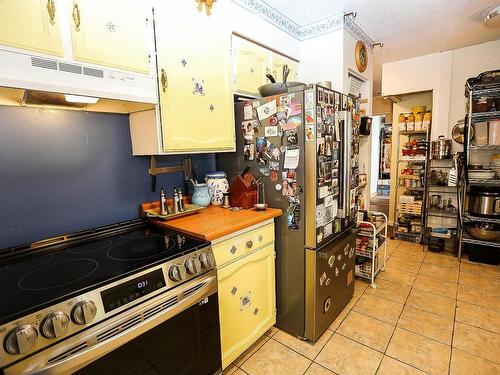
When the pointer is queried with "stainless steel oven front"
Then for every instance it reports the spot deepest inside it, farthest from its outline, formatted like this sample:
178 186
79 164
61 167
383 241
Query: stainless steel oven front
175 332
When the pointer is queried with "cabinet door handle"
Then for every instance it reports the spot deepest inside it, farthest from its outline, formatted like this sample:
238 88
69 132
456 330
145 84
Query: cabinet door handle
164 80
51 10
76 16
249 244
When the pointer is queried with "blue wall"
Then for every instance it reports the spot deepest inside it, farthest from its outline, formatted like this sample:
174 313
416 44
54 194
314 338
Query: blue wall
64 171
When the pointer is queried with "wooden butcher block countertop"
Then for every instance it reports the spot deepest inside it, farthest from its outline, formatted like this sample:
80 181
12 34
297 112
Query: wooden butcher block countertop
215 222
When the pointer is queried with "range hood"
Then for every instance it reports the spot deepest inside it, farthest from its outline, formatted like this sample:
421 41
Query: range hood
29 72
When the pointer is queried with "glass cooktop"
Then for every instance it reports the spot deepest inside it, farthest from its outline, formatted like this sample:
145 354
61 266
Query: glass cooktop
34 281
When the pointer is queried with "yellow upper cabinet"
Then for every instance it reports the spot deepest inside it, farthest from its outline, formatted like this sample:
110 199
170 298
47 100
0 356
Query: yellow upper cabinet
195 79
278 62
31 25
251 65
111 33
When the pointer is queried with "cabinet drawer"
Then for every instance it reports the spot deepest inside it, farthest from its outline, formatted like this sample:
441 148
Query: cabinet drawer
234 247
247 301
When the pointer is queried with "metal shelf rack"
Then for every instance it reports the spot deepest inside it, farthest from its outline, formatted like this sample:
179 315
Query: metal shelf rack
474 88
370 231
422 160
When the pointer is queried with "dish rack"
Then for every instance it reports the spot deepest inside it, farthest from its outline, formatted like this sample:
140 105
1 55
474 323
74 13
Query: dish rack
370 240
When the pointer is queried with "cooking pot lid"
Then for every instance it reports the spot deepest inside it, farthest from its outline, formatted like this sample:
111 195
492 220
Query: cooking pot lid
488 190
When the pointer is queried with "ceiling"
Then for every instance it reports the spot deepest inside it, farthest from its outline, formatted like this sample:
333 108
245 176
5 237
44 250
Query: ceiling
407 28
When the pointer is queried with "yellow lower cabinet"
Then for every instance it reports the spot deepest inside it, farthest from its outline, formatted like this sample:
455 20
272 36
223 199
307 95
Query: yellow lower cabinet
247 301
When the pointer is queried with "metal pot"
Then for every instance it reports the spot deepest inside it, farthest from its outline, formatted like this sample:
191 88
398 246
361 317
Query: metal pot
484 202
458 132
436 201
441 149
274 88
483 231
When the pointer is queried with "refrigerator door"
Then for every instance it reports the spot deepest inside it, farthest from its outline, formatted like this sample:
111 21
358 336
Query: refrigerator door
330 282
263 142
324 170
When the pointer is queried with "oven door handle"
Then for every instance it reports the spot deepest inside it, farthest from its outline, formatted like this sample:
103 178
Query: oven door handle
39 363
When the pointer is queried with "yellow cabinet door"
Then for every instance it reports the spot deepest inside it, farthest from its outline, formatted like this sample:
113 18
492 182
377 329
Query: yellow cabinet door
278 62
195 79
251 65
247 301
111 33
31 25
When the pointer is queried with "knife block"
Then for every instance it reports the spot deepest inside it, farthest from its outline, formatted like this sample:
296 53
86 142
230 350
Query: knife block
243 191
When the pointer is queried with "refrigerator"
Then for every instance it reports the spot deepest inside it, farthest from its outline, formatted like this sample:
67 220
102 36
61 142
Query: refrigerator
304 147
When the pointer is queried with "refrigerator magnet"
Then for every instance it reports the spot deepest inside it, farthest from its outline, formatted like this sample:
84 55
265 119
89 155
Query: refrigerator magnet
274 176
328 216
328 200
271 131
323 192
309 132
274 166
249 152
309 115
248 127
319 236
266 110
278 187
321 94
309 99
289 126
248 111
293 217
328 230
296 109
320 214
291 158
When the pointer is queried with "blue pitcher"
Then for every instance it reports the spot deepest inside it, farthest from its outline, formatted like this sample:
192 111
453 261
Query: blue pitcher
201 197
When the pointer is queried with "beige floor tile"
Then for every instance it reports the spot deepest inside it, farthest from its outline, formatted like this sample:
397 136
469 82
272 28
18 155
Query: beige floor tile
407 245
403 264
338 320
436 286
433 326
250 351
274 358
442 273
420 352
316 369
432 303
481 269
306 348
271 331
366 330
345 356
485 298
441 260
392 244
391 291
408 255
360 285
478 316
477 341
463 363
379 308
477 281
230 369
397 276
239 372
390 366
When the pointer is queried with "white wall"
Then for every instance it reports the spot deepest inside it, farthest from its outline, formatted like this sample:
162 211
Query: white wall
445 73
321 59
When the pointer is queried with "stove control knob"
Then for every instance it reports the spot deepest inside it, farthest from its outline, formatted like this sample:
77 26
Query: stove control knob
192 265
84 312
176 273
206 260
21 339
54 325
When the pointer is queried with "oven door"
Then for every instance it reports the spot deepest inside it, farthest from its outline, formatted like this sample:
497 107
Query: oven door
176 332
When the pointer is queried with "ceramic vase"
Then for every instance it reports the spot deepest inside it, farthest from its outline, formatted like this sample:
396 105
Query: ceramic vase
217 186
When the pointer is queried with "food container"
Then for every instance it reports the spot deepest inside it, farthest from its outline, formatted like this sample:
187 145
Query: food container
482 104
441 149
484 202
402 122
217 185
410 123
494 133
418 108
426 122
481 133
419 118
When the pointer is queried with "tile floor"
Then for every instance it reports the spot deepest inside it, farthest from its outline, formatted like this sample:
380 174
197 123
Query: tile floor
428 315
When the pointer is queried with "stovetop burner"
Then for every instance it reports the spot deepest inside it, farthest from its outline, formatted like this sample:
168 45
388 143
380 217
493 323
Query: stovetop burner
65 269
62 273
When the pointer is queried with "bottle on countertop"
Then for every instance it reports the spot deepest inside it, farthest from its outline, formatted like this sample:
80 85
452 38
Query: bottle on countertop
176 201
163 203
181 200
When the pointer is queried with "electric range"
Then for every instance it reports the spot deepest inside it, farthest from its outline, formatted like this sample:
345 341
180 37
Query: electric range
65 294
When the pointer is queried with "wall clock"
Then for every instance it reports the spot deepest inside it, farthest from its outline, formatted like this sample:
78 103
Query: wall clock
361 56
